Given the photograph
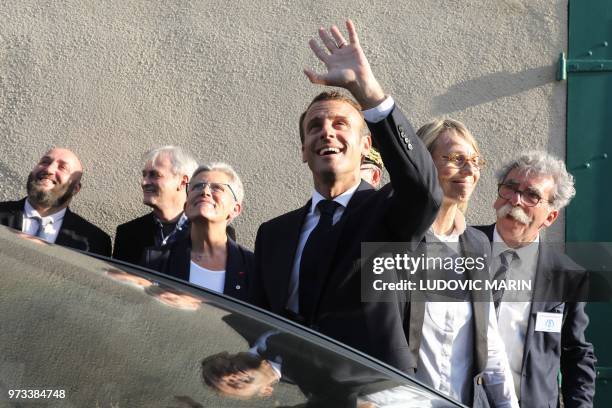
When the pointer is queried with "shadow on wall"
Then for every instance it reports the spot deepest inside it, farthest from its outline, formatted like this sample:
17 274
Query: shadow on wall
490 87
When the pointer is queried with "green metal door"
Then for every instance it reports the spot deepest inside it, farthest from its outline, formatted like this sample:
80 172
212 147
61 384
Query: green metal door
589 151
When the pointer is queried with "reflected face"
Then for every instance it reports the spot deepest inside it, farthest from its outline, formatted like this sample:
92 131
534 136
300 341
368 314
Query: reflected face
457 182
210 197
182 301
127 277
160 186
517 223
249 383
55 179
333 139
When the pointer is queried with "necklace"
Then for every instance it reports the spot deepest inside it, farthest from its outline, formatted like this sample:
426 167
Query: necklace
197 256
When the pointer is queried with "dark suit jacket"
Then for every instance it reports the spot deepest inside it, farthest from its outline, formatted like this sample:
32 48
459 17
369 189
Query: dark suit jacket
400 211
134 236
557 278
472 243
76 232
175 260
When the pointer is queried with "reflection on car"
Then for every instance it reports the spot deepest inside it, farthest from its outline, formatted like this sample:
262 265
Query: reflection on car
113 335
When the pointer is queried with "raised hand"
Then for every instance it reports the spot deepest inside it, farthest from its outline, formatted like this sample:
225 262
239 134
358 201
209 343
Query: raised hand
347 66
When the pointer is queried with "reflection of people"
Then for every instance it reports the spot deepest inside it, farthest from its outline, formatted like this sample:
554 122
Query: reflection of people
173 297
123 276
242 375
372 167
325 378
44 213
532 190
207 257
165 177
307 261
458 340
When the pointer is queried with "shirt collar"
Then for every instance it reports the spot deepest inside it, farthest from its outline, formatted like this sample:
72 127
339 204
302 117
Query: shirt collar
522 252
31 212
343 199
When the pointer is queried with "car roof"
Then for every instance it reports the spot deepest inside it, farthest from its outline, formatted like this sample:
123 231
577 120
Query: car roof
114 335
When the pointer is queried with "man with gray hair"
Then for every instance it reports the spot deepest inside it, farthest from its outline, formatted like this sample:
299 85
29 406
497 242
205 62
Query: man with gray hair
545 334
165 178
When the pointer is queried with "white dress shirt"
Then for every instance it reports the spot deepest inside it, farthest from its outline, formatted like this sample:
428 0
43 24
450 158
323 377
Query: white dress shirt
51 223
373 115
447 347
514 315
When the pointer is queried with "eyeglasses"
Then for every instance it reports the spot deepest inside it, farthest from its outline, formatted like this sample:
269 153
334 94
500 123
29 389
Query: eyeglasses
459 160
529 197
215 188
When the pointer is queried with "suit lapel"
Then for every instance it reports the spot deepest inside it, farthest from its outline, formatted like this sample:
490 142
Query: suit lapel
14 216
284 254
480 307
542 290
67 235
234 271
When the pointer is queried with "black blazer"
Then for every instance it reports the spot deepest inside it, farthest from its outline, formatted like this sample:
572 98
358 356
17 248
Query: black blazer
175 260
134 236
557 277
400 211
76 232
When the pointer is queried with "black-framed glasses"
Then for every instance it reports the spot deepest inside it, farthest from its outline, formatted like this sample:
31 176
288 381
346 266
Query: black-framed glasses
215 188
458 160
530 198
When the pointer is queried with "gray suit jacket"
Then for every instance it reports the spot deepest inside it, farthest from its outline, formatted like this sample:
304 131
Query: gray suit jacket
558 278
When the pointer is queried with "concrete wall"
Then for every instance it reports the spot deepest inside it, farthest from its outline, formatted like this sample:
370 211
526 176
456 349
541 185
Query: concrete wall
112 79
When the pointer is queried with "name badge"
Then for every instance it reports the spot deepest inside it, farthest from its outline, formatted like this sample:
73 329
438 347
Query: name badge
549 322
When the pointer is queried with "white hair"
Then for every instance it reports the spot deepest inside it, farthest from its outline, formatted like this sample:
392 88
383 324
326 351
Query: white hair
539 163
234 179
183 164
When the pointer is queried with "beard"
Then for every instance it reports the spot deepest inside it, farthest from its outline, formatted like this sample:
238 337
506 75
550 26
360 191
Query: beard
515 212
55 197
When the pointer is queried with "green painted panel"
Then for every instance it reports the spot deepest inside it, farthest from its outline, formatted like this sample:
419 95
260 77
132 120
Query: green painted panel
589 158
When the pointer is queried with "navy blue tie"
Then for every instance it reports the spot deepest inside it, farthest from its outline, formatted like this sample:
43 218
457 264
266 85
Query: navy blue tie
316 256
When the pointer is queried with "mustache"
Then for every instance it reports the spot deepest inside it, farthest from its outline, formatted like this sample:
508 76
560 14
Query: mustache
515 212
43 175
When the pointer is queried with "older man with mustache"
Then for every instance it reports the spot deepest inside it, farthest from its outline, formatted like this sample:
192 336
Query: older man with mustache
546 334
44 213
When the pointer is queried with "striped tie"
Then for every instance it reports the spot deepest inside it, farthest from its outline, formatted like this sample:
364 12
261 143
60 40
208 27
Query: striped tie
506 258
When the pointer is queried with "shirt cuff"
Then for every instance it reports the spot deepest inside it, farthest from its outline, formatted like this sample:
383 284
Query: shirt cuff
378 113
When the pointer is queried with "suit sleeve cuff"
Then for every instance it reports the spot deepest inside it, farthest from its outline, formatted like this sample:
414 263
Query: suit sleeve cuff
380 112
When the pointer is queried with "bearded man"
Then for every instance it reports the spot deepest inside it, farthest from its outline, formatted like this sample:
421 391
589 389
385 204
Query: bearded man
44 213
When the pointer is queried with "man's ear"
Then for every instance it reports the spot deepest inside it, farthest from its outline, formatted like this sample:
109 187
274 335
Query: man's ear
303 155
366 144
184 182
551 218
376 175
